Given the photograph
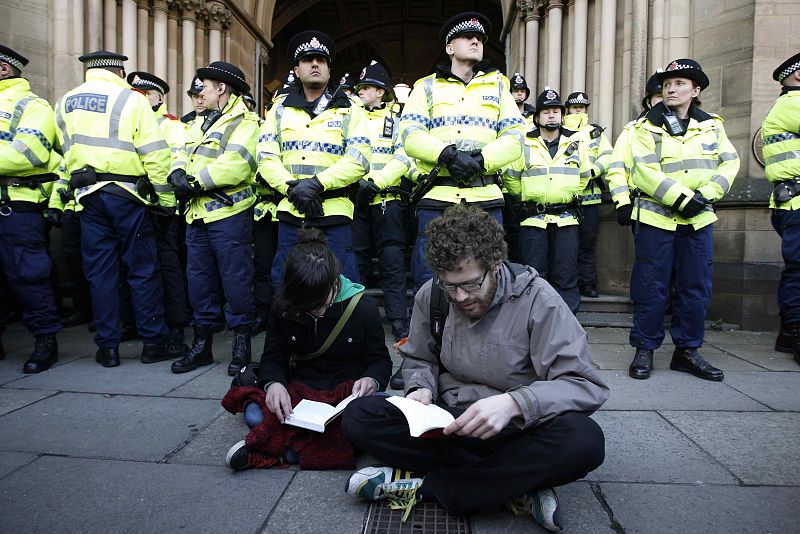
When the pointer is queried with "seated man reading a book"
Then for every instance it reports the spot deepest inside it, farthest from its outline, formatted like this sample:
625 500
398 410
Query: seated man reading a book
324 343
514 370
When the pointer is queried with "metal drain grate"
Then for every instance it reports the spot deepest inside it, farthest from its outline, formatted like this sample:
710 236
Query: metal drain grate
426 517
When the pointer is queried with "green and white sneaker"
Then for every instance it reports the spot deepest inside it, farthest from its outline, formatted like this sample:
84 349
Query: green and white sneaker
377 483
542 505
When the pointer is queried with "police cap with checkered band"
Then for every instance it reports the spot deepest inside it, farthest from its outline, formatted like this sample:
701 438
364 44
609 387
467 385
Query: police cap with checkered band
144 81
787 68
102 59
13 58
685 68
579 98
467 22
310 43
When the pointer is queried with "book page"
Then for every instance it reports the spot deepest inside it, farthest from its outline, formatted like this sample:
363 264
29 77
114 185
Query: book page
421 417
314 415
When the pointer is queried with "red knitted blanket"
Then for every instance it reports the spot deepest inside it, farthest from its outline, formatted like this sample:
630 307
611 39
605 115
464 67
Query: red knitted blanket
270 439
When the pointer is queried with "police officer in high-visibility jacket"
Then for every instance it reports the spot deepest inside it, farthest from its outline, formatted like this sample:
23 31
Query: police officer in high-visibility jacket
312 149
619 169
577 119
463 119
194 119
116 156
28 166
780 134
545 182
214 175
683 164
521 92
166 217
379 215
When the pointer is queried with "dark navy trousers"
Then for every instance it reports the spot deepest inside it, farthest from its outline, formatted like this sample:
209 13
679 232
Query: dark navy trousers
172 271
587 252
265 232
27 267
553 252
681 259
787 224
382 229
113 229
221 253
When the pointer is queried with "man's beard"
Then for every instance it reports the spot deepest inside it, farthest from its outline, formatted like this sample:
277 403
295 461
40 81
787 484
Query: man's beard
478 304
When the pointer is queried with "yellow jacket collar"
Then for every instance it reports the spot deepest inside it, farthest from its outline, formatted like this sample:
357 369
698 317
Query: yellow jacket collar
15 85
103 75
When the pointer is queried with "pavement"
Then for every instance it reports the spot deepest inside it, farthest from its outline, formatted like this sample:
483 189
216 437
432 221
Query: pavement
139 449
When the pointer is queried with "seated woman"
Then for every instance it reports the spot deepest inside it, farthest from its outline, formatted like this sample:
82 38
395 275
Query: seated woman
297 365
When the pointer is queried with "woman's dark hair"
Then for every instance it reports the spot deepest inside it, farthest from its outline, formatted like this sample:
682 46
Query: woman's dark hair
311 272
464 232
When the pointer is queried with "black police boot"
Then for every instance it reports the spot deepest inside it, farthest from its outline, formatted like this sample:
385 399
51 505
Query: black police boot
200 352
690 361
107 357
588 290
642 364
45 354
73 318
795 330
399 329
129 332
783 343
152 353
2 351
241 354
176 348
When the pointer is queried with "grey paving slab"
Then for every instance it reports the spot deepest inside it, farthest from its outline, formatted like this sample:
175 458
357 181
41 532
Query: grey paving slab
70 349
133 497
11 461
759 448
672 390
121 427
210 446
607 335
762 355
13 399
581 513
615 356
780 391
739 337
657 509
212 383
332 511
130 378
643 447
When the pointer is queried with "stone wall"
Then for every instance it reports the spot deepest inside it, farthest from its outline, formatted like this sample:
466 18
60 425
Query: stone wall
27 31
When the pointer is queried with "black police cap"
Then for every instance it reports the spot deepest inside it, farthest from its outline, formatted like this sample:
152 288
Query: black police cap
578 97
13 58
346 81
145 81
310 43
226 73
787 68
548 98
291 81
653 87
103 58
467 22
196 88
685 68
375 74
518 82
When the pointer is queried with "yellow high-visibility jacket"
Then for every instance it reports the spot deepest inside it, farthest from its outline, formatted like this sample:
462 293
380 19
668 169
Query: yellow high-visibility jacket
106 125
389 162
442 110
223 158
619 170
174 132
780 134
669 169
333 146
600 151
27 133
538 178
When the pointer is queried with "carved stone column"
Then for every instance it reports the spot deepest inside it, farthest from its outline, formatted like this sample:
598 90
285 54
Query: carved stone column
532 19
657 49
554 13
94 24
639 73
200 48
188 13
580 20
218 18
110 25
160 49
607 40
175 95
143 34
129 41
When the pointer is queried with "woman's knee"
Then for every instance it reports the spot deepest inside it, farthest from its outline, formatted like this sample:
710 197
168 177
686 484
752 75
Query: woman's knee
360 417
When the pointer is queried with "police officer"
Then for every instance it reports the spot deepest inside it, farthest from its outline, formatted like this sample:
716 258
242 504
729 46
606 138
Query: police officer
215 177
780 134
683 164
546 181
28 166
521 93
600 149
199 109
379 216
463 119
312 149
348 86
166 217
114 152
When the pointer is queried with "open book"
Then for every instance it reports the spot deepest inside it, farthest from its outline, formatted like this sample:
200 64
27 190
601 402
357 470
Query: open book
421 417
314 415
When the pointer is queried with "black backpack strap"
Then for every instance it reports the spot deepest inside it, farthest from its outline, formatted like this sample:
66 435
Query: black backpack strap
439 308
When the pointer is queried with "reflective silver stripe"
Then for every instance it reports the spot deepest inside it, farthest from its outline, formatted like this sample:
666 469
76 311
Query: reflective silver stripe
427 85
650 158
103 142
268 155
534 171
514 173
26 151
63 127
215 135
162 188
223 142
663 187
207 152
403 159
657 141
526 153
727 156
600 168
278 117
378 166
410 129
586 174
655 207
359 157
116 113
605 152
152 147
619 190
19 109
722 181
513 133
308 170
567 171
205 178
689 164
246 155
616 165
783 156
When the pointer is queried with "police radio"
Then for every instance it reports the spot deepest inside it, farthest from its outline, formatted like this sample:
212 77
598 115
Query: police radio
673 124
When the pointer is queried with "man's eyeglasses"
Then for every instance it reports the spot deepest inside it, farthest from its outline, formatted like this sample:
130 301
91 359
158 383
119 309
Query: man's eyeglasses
469 287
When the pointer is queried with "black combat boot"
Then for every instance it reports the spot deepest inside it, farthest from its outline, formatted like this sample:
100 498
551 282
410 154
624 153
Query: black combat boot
690 361
45 354
176 348
155 352
399 329
642 364
200 352
795 330
107 357
2 351
241 354
783 343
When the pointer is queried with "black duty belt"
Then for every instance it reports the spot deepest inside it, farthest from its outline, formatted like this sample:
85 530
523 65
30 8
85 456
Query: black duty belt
535 208
111 177
20 206
28 181
478 181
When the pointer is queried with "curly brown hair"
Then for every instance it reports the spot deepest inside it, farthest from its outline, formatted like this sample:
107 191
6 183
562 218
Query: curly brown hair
463 232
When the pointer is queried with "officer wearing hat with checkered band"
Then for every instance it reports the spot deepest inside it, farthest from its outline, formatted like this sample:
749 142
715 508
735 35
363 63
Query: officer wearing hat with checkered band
166 217
600 149
28 167
619 169
116 155
313 148
195 117
683 164
464 120
521 92
214 176
545 183
780 133
379 216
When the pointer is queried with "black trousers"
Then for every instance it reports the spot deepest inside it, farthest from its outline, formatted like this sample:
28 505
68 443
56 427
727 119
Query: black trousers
471 475
553 252
176 311
265 237
74 280
587 254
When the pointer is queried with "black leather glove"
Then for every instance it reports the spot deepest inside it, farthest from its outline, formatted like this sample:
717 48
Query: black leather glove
624 215
314 208
184 190
367 191
462 165
302 194
53 216
695 205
